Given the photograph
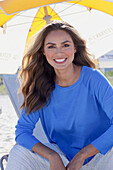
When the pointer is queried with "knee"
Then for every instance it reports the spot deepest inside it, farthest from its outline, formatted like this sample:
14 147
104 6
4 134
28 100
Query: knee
19 157
19 154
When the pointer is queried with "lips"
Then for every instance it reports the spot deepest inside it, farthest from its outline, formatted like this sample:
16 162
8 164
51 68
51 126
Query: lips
60 60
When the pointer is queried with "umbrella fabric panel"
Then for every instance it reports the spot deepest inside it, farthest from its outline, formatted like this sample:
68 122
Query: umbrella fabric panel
4 18
12 6
43 16
101 5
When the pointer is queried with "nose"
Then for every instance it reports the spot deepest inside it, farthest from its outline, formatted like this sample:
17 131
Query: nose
58 50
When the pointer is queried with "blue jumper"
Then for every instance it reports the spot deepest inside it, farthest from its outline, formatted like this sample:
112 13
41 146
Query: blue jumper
78 115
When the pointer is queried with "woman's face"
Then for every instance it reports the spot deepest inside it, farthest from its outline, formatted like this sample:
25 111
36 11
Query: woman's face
59 49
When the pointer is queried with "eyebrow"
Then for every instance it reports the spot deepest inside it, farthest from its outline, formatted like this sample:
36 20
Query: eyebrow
61 43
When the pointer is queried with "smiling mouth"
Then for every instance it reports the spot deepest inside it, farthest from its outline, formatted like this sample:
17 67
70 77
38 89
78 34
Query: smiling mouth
60 60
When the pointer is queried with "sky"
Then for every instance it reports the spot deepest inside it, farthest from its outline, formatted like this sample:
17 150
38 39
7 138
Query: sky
95 27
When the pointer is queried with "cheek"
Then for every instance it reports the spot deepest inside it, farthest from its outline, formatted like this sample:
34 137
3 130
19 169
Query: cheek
70 52
49 55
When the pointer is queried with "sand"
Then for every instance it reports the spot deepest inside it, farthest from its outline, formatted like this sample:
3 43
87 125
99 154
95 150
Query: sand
8 120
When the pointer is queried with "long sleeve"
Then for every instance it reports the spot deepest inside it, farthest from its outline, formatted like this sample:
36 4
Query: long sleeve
24 130
104 94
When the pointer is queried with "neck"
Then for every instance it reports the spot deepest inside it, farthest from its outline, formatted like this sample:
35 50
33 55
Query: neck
68 76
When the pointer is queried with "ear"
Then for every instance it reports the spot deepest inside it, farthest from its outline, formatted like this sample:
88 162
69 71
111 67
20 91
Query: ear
43 52
75 50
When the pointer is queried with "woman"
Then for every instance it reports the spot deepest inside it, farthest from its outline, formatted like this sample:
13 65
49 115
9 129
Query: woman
74 101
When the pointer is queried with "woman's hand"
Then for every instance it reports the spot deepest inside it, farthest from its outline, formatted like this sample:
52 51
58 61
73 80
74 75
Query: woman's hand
54 158
78 160
76 163
56 162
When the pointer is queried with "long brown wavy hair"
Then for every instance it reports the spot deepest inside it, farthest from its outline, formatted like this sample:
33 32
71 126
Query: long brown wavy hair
38 76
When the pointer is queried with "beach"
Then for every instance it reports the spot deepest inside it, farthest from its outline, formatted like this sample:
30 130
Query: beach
8 120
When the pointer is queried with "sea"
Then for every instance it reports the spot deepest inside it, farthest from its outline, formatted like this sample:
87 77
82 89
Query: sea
8 120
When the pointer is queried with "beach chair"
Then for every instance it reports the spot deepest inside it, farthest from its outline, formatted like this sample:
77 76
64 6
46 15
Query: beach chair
12 85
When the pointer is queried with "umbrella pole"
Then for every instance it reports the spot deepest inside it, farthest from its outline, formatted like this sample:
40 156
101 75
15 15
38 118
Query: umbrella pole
46 17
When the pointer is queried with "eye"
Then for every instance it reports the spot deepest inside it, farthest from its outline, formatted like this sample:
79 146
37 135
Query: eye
51 46
66 45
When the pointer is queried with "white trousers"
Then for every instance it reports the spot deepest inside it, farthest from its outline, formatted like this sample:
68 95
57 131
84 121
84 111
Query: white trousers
21 158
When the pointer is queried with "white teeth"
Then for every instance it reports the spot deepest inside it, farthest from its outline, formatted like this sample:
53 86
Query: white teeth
60 60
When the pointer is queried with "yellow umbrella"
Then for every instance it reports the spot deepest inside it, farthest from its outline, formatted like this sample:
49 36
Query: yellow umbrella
46 14
13 6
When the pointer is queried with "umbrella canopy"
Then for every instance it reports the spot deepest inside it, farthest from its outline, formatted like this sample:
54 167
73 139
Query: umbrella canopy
13 6
96 27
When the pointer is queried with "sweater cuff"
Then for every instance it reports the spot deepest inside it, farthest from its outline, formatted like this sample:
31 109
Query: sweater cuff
27 141
104 142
